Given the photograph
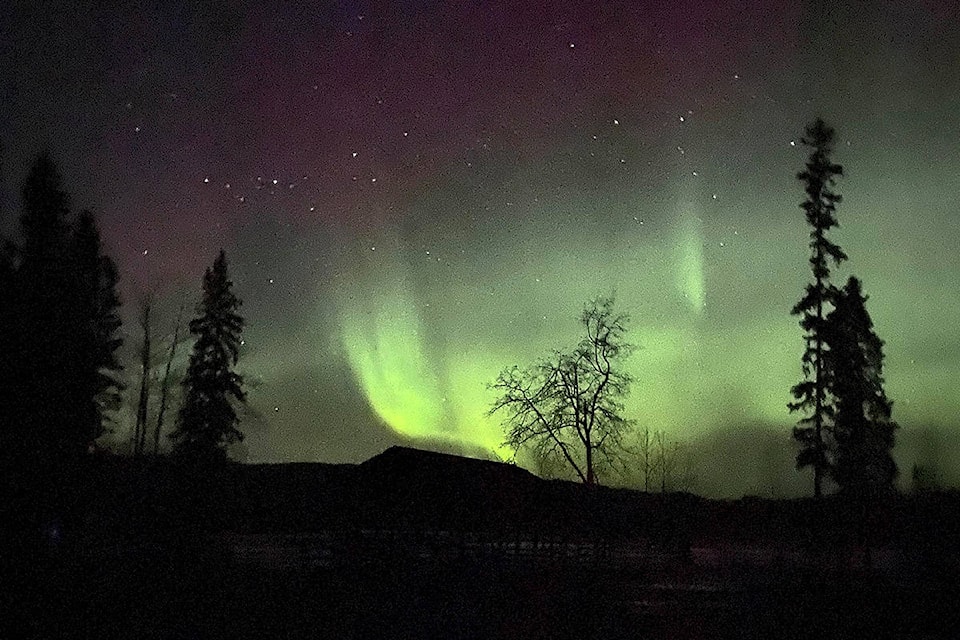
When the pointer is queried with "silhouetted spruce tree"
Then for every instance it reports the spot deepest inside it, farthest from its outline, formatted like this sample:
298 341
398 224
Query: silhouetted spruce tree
33 352
68 321
208 421
11 505
59 348
8 347
863 430
98 325
812 394
47 357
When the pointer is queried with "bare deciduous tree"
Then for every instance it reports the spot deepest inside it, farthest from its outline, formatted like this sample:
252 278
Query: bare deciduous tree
661 463
568 407
647 459
165 383
140 429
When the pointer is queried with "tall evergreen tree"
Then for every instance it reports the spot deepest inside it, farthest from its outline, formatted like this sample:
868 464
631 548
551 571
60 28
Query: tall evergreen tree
46 302
208 421
811 395
59 338
98 325
64 364
863 430
8 346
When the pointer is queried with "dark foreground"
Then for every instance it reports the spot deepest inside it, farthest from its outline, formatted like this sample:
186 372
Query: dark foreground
414 544
156 593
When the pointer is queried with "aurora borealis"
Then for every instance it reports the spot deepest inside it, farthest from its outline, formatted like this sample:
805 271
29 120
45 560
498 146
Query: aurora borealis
415 195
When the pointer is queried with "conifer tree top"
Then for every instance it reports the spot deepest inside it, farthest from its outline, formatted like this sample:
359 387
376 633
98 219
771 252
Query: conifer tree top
46 209
207 422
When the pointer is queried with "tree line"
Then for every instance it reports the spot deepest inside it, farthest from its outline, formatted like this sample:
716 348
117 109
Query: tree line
568 408
847 433
61 379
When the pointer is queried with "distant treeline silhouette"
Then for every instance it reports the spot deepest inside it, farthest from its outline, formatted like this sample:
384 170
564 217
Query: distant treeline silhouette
59 317
61 380
566 411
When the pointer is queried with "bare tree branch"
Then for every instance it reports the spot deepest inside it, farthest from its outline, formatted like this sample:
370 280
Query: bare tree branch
569 406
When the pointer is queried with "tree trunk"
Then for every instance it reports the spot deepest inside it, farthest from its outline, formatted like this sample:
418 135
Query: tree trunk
818 412
591 479
165 385
140 432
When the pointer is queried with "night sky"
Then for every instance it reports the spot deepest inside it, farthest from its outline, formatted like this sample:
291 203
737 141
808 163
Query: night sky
415 195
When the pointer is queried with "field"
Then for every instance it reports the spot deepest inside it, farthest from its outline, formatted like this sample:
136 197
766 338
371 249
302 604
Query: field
210 590
422 545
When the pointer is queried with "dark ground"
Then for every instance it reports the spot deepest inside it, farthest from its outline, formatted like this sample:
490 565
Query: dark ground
422 545
192 594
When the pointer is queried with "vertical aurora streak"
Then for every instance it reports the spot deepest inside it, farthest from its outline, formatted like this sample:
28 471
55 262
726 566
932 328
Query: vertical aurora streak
416 195
690 277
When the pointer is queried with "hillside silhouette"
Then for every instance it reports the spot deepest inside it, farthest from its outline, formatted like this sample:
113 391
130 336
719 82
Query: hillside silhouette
414 543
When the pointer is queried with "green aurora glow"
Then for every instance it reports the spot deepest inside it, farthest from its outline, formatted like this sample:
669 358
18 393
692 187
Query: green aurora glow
424 334
415 201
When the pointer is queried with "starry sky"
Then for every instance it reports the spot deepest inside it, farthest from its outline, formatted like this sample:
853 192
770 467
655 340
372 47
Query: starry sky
414 195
